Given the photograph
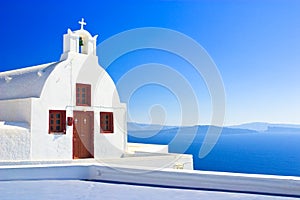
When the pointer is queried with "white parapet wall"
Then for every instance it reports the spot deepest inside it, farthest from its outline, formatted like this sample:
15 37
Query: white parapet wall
153 148
155 161
188 179
154 155
200 180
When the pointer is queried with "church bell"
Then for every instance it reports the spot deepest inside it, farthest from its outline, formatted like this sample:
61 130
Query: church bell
80 41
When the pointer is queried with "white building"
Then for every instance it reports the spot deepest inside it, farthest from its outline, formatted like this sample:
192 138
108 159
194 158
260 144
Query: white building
63 110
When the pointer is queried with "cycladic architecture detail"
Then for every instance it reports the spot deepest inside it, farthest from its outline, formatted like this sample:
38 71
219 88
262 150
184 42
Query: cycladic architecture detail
79 41
63 110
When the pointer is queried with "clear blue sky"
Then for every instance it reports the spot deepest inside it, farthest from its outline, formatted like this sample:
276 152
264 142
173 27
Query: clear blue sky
255 45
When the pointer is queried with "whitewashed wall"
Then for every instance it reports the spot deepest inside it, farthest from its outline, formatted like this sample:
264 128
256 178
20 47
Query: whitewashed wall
17 110
105 98
59 93
111 145
204 180
151 148
14 142
56 95
155 161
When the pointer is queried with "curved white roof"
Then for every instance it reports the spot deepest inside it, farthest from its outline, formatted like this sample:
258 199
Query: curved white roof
83 33
25 82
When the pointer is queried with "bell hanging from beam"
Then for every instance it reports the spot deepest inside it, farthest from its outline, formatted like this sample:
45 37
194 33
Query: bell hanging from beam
80 41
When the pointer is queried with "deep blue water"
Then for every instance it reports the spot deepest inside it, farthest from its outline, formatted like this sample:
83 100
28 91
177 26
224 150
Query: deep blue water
241 151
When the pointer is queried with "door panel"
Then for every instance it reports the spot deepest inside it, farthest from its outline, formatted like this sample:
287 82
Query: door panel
83 135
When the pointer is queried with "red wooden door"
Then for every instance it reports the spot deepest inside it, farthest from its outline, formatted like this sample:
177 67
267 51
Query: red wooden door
83 134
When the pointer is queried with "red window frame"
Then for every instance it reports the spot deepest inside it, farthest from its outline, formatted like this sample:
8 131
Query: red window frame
57 122
106 122
83 94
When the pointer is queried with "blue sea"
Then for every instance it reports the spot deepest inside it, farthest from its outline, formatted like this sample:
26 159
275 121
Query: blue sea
237 150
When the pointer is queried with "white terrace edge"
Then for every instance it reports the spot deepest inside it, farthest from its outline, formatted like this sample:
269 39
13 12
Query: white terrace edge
188 179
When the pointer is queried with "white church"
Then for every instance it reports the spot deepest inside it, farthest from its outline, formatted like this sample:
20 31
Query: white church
65 110
68 113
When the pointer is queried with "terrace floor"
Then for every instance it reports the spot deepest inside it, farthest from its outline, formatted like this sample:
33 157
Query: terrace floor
85 190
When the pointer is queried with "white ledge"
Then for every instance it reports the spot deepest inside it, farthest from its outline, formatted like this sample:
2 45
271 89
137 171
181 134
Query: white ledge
191 179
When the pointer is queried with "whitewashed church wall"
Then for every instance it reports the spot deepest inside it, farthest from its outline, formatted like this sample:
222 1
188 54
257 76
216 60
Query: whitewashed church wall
60 94
111 145
105 99
47 146
56 95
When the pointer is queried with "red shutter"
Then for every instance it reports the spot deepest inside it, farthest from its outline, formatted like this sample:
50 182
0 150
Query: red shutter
83 94
106 122
57 122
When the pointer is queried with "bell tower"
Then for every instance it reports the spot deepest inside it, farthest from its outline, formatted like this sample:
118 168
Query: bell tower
79 42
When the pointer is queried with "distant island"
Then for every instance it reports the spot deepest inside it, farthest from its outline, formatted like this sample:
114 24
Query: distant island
256 148
254 127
